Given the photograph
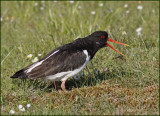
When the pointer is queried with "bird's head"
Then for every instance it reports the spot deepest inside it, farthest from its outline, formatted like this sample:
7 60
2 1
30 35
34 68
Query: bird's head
100 39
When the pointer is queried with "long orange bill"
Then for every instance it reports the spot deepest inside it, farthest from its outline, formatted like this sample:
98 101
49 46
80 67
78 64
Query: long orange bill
113 47
117 42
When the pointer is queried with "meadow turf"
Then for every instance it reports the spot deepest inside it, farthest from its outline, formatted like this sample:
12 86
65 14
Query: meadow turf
112 84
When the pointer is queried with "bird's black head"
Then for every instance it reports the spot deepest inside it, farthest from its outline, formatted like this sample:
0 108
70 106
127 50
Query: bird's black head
99 40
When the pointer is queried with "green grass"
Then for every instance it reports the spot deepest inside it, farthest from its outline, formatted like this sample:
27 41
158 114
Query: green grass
130 84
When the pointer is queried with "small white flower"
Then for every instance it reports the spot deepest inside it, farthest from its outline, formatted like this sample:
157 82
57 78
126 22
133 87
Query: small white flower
128 11
35 59
126 5
138 33
11 111
1 19
71 2
21 108
39 54
101 4
139 29
153 11
29 56
36 4
139 7
42 8
93 12
79 7
55 0
124 33
28 105
154 58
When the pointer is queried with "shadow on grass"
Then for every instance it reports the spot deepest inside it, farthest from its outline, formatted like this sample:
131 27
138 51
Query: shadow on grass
86 80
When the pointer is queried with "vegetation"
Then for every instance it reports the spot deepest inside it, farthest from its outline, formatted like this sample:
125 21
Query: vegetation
112 84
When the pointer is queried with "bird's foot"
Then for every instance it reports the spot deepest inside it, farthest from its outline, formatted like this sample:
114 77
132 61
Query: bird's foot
63 86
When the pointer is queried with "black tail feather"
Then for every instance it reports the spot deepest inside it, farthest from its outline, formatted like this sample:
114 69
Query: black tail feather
20 74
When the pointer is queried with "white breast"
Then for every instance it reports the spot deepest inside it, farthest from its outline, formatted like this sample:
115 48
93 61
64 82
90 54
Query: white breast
70 73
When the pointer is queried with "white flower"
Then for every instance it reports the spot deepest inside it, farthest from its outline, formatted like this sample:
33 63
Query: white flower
21 108
29 56
153 11
71 2
1 19
39 54
126 5
139 29
36 4
154 58
28 105
128 11
11 111
93 12
138 33
124 33
55 0
42 8
139 7
79 7
101 4
35 59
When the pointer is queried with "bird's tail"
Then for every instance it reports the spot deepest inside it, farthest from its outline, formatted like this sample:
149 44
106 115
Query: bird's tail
20 74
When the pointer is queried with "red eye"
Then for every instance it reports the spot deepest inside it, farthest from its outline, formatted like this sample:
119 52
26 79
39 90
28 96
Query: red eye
103 36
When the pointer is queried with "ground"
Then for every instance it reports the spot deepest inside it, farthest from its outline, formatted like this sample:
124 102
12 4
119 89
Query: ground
110 84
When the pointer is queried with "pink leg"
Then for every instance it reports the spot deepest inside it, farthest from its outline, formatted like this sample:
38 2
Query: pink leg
63 86
57 87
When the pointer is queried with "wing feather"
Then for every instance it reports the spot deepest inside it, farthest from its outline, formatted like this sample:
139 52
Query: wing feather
62 61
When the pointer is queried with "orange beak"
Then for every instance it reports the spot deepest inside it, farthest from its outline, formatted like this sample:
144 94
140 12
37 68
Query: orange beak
113 47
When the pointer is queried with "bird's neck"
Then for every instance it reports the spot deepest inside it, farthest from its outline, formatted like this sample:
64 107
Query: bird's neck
83 44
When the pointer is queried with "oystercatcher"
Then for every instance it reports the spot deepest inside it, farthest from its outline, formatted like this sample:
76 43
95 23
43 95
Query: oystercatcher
67 60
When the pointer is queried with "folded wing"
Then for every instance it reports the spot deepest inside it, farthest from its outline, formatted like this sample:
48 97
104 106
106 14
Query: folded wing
58 61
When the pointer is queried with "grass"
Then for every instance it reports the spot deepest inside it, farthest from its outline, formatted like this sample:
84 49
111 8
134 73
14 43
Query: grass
129 86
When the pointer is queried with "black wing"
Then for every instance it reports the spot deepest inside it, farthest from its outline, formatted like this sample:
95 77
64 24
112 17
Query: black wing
61 61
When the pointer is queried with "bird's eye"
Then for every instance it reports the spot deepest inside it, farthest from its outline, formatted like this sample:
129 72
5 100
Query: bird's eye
102 36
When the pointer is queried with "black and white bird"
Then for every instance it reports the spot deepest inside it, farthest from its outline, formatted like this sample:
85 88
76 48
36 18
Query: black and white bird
67 60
